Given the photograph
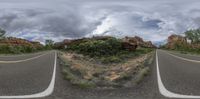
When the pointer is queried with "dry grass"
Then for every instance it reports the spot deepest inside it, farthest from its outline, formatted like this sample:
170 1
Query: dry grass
84 72
141 74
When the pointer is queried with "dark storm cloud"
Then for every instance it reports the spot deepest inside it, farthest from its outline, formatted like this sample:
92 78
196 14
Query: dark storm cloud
6 20
152 24
59 19
69 24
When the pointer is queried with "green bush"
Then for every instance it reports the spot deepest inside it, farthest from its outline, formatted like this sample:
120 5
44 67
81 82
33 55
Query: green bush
105 51
98 48
184 49
10 49
111 59
141 74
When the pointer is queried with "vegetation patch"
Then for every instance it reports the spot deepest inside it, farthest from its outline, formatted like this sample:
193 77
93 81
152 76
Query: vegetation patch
106 51
13 45
84 72
141 74
10 49
106 63
188 44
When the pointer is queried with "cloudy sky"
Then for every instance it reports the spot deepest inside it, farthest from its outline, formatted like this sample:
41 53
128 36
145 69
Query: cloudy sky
153 20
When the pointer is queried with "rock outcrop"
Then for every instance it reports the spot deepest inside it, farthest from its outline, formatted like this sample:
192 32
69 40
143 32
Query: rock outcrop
19 42
66 42
129 46
139 42
174 40
129 43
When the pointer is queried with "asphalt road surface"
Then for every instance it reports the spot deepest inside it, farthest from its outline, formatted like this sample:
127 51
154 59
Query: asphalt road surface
24 75
180 74
172 75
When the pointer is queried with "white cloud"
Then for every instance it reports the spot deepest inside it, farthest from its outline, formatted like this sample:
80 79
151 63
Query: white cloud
153 20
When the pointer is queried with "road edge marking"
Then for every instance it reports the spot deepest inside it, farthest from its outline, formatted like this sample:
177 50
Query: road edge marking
19 55
7 62
162 88
44 93
186 59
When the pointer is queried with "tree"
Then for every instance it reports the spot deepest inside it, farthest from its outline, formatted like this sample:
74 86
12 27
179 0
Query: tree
2 33
49 43
193 35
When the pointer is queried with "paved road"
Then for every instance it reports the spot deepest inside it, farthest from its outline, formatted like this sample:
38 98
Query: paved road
179 75
19 57
26 74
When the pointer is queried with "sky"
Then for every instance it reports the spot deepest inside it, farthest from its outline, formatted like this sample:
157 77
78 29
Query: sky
152 20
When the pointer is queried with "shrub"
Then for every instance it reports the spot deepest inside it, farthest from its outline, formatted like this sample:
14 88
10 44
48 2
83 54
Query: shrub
142 73
106 51
111 59
10 49
98 48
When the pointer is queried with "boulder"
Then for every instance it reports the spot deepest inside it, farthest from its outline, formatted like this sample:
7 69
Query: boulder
129 46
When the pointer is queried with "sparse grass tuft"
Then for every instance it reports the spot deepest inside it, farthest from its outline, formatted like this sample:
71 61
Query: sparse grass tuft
110 59
151 58
142 73
68 75
73 78
183 52
85 84
85 74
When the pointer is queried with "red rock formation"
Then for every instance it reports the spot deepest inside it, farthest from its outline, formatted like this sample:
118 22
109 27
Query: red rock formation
148 44
66 42
101 37
129 46
175 40
139 42
130 43
18 42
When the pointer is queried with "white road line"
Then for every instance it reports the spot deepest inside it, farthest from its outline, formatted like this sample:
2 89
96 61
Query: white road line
23 60
166 92
45 93
19 55
190 60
